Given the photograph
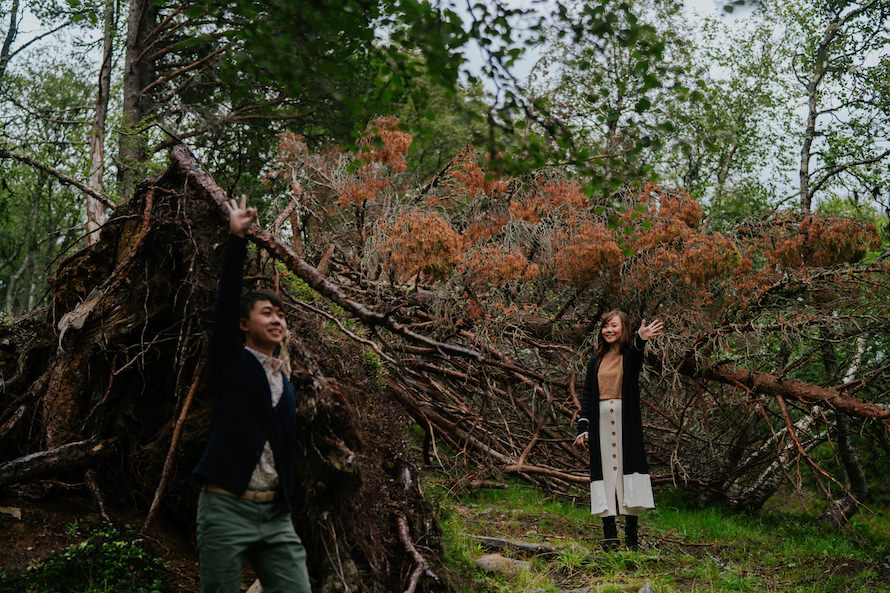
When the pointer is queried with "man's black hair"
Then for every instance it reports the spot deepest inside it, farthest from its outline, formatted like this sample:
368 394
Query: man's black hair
248 300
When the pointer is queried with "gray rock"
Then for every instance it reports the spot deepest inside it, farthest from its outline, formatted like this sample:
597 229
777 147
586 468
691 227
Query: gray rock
501 565
647 588
347 580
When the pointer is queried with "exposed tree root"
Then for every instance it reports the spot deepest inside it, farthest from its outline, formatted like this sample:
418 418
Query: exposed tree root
70 456
421 566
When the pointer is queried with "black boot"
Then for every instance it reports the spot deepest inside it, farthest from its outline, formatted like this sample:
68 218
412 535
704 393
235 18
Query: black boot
631 534
610 533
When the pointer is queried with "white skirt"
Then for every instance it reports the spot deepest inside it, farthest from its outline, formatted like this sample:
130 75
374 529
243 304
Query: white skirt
617 493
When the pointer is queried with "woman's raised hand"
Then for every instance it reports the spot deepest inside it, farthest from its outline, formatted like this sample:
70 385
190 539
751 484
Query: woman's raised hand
652 330
240 216
581 440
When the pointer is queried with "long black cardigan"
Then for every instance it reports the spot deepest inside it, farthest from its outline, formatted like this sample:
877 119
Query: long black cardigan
243 416
633 451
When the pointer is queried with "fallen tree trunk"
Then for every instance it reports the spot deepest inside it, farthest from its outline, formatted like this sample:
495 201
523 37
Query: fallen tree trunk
65 458
201 184
496 543
781 454
790 388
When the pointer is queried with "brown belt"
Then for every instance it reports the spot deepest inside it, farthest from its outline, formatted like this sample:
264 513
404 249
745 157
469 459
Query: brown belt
251 495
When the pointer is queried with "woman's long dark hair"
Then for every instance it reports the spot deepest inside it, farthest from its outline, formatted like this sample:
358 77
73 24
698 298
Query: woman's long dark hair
627 335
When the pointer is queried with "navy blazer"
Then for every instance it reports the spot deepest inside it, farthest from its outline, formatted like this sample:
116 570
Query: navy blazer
243 416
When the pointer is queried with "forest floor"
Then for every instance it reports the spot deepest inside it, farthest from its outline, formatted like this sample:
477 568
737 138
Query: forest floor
36 525
684 547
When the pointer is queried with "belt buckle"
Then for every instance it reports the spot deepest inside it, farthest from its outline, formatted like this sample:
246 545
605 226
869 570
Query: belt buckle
260 495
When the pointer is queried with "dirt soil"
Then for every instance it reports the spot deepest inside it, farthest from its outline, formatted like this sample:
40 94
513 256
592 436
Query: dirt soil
31 530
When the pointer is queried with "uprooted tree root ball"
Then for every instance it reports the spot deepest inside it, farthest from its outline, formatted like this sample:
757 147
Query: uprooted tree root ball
106 388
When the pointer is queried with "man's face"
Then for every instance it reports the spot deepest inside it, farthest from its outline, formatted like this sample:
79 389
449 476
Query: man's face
264 329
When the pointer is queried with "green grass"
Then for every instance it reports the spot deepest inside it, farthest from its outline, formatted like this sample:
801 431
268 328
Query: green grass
686 548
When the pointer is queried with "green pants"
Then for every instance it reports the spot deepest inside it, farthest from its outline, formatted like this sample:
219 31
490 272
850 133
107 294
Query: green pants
231 529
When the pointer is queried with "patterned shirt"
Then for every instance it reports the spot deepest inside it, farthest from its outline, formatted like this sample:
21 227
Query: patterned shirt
264 476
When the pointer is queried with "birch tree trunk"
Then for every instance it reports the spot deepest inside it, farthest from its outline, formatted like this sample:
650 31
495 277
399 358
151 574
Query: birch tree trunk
807 146
821 62
838 512
750 495
95 209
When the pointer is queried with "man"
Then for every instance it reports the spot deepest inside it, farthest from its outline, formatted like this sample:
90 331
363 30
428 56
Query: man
246 470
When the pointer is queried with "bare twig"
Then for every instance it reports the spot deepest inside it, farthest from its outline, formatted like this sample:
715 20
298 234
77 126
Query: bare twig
62 177
174 442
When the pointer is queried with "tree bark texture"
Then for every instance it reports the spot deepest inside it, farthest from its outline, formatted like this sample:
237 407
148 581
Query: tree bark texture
11 32
139 71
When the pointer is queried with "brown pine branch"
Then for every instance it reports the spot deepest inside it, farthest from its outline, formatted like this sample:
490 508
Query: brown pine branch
421 566
204 186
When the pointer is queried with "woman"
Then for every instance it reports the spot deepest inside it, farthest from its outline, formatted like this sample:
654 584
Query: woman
610 415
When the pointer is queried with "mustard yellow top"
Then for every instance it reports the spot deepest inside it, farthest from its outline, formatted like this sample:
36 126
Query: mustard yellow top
609 375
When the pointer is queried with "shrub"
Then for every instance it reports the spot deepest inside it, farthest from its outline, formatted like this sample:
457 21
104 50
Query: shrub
105 562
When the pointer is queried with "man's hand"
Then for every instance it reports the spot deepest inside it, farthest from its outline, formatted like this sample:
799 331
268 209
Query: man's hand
240 217
652 330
